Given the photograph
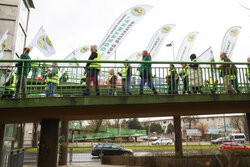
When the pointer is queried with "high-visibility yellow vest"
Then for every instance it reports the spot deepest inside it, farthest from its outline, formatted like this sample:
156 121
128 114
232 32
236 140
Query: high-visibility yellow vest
96 65
12 86
170 71
185 72
211 83
84 83
125 71
248 71
55 78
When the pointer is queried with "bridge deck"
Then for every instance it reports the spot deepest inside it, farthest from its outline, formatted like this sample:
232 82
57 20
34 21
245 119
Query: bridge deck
93 107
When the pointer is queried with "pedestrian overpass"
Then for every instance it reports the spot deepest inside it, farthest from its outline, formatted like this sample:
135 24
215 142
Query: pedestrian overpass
69 104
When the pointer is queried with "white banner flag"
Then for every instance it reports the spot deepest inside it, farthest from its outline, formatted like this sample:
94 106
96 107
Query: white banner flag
120 28
230 40
43 43
186 46
158 39
78 53
154 44
3 42
207 56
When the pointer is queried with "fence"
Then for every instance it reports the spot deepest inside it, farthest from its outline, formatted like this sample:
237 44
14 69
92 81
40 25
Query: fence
14 158
163 76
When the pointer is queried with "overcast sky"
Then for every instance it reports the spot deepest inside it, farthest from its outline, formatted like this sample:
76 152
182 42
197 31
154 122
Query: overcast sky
74 23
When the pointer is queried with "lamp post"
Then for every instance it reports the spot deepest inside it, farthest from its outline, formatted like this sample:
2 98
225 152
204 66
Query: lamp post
171 45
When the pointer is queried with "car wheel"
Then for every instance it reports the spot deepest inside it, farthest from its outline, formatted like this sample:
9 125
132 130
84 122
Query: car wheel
157 144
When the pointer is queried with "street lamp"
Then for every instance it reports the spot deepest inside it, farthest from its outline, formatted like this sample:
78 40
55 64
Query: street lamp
171 45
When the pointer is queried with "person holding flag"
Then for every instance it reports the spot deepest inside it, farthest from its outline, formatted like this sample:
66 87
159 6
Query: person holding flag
146 73
93 70
126 78
23 69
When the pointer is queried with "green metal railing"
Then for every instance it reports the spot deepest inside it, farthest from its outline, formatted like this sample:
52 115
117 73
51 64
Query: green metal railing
208 78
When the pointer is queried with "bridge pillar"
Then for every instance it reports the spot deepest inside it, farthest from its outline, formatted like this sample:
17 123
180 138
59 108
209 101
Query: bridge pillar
48 143
63 151
178 136
2 129
248 125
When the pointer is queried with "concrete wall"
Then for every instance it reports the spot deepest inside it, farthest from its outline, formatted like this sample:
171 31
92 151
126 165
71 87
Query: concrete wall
9 14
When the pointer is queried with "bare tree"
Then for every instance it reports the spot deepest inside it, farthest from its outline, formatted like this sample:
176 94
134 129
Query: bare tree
96 125
202 127
237 123
189 121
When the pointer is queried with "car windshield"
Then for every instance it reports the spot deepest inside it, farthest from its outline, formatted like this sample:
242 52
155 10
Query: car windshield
115 146
107 146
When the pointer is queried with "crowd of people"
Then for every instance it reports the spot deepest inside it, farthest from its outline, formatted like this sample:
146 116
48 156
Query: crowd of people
190 74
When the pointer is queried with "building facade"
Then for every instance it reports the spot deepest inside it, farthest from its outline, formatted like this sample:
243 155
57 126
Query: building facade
14 17
210 124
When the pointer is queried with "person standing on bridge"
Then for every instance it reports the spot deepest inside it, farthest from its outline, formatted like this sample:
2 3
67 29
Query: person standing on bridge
248 69
10 85
112 83
195 76
23 69
172 79
126 78
93 70
146 73
225 72
53 80
184 76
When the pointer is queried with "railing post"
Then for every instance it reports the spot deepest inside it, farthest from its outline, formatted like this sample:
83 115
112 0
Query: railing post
2 129
70 155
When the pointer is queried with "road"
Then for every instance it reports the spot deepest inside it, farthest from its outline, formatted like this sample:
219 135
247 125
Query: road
87 158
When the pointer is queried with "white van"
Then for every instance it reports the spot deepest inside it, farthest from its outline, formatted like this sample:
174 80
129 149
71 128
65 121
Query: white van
237 137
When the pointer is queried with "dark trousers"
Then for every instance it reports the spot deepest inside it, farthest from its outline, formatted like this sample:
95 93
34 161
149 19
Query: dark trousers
51 89
186 86
234 82
173 87
148 79
126 82
92 75
8 94
23 86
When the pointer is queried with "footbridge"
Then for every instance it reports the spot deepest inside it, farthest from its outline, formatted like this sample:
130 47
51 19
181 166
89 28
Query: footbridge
208 89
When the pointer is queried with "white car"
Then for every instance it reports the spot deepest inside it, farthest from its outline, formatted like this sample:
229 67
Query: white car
163 142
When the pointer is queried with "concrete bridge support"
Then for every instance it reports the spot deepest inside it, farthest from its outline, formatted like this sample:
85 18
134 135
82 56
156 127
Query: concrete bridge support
48 143
178 136
2 129
248 125
63 151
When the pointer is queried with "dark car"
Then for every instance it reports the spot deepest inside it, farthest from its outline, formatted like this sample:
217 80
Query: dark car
109 149
221 140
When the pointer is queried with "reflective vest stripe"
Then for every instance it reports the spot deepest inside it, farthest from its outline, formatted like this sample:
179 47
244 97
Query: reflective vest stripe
84 83
124 72
248 72
13 84
96 65
55 78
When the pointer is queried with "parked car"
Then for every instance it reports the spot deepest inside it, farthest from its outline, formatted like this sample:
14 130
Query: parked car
163 142
220 140
233 146
237 137
109 149
153 138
